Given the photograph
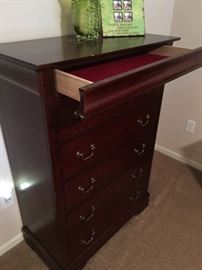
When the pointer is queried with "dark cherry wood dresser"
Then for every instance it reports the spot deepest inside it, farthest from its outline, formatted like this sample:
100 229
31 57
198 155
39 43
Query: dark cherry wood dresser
79 122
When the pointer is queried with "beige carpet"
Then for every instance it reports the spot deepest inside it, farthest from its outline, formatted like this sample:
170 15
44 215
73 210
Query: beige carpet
166 236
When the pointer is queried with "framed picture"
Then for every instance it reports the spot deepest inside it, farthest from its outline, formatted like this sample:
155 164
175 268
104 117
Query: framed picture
122 17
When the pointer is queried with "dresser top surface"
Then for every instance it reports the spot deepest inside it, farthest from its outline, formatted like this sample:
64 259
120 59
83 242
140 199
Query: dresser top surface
43 53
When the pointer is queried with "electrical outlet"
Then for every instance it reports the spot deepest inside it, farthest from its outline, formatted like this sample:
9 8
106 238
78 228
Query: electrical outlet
190 126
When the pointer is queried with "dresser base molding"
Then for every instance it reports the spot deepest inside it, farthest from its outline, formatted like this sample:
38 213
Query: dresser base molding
81 261
31 240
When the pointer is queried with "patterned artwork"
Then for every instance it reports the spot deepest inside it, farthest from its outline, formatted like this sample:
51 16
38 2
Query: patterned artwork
122 17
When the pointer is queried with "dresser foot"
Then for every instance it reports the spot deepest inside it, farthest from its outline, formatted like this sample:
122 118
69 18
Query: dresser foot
38 248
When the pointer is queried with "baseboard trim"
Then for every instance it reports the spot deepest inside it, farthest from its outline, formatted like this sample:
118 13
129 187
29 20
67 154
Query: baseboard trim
11 243
178 157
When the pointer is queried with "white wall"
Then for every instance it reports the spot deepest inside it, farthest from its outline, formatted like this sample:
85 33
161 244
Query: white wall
30 19
10 220
158 16
183 97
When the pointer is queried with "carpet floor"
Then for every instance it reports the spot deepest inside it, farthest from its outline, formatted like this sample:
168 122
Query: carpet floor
166 236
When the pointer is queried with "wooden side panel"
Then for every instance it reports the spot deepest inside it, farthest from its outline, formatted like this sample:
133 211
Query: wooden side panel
24 130
68 84
19 74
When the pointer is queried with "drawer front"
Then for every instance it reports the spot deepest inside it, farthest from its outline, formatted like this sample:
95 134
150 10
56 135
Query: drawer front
68 83
96 97
88 222
96 143
71 126
119 80
89 182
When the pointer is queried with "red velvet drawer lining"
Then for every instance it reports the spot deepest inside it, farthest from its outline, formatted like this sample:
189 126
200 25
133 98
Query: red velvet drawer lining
106 70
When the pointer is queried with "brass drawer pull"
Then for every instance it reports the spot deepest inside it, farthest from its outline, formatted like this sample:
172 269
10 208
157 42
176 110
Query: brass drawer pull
90 216
144 122
137 175
82 156
78 115
136 196
87 242
140 151
89 187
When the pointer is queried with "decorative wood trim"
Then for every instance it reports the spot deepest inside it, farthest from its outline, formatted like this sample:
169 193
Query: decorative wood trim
21 76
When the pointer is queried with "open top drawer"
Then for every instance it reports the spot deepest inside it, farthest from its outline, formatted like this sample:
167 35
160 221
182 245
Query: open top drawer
114 82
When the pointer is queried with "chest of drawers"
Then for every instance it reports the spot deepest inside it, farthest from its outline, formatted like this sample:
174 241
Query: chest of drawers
79 122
